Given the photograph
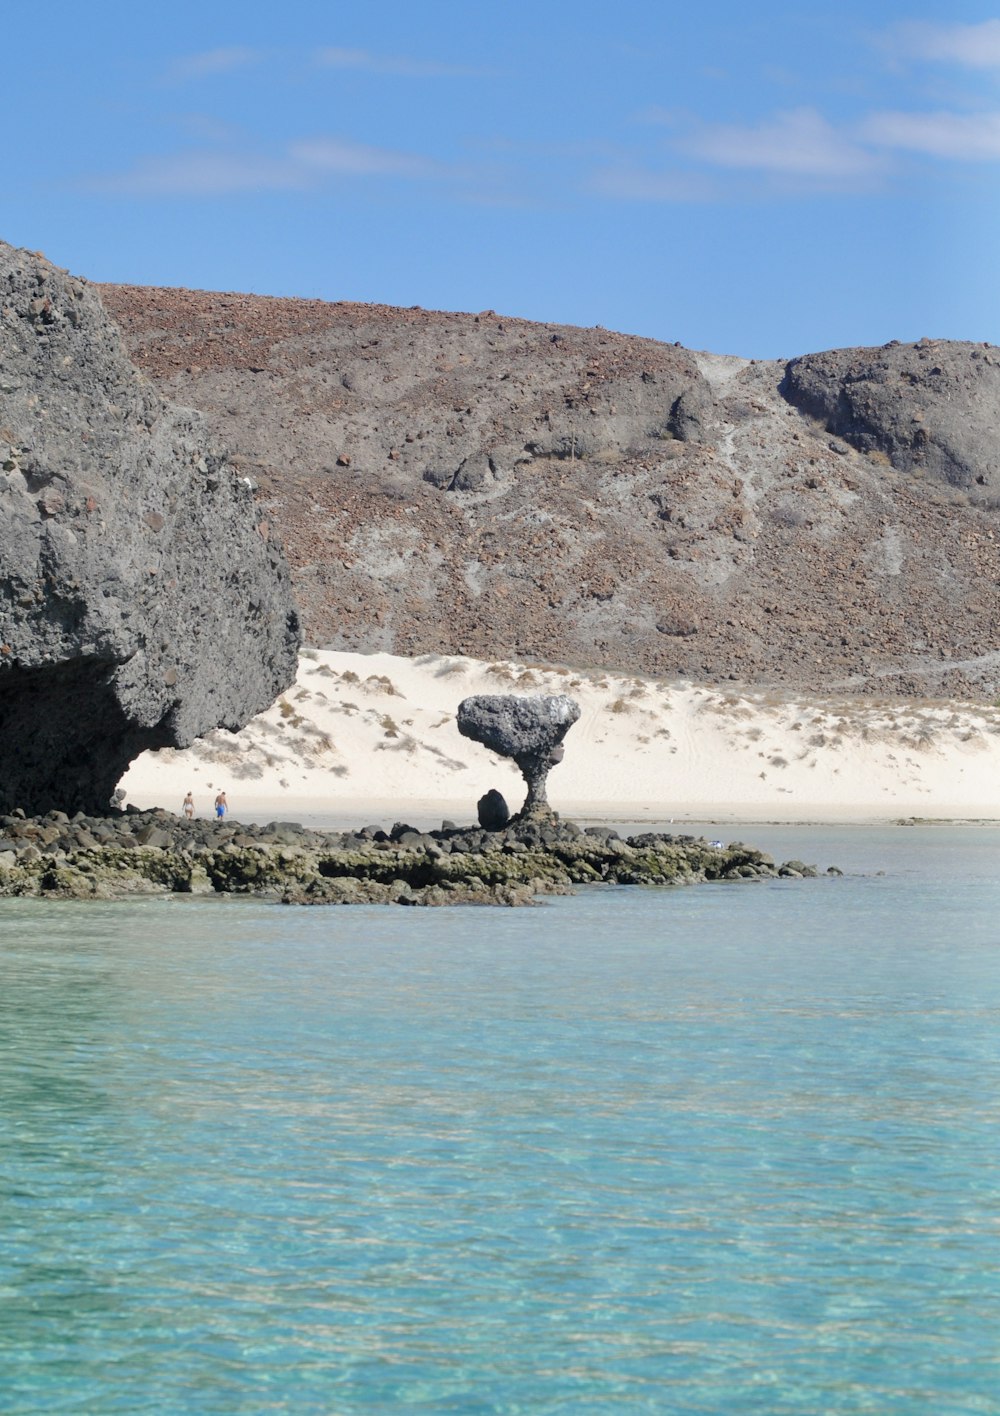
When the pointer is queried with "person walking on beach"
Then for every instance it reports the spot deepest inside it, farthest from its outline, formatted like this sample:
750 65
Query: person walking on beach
221 806
188 807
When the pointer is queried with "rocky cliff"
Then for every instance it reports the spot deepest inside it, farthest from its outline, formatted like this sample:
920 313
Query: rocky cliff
143 599
472 483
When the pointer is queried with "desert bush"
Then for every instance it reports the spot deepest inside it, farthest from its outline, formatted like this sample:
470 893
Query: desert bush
381 683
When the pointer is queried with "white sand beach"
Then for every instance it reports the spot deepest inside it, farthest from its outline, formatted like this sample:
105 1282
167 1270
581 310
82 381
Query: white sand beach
372 738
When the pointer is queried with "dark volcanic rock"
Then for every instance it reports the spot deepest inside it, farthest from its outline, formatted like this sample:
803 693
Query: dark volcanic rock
530 730
932 406
492 810
142 601
156 853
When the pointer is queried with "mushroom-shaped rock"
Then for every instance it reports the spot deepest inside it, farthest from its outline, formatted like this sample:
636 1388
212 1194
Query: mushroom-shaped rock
142 599
529 730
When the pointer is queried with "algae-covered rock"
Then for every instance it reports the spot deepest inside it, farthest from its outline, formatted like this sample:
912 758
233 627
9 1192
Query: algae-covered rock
154 852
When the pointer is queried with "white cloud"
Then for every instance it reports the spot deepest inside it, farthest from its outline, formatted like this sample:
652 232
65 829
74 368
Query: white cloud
662 117
799 143
637 184
367 62
301 166
963 137
340 155
214 61
976 46
203 174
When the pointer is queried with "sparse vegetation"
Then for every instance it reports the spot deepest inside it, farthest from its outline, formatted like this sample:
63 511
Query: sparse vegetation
381 683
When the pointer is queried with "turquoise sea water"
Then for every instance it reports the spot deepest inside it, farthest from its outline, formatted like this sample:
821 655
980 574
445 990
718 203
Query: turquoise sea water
731 1149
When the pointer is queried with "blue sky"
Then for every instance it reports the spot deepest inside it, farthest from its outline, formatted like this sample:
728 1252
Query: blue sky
759 179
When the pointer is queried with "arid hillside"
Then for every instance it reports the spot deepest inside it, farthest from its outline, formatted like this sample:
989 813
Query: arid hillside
456 483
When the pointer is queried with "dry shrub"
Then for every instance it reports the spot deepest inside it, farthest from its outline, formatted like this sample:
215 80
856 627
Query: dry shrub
381 683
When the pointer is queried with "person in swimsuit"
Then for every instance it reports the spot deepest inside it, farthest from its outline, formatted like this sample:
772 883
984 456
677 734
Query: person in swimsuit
188 807
221 806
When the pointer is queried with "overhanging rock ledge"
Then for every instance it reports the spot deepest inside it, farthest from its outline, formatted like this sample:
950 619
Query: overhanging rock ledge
143 599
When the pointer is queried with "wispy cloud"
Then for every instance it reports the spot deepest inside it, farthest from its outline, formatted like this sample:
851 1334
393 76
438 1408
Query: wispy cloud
203 174
212 62
637 184
799 150
401 65
799 143
975 46
340 155
962 137
302 165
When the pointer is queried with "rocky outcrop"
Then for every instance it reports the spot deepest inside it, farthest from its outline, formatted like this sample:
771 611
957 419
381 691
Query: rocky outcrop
142 598
528 730
931 407
143 853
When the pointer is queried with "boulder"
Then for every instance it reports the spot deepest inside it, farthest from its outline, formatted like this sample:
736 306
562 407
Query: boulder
528 729
493 811
930 407
142 599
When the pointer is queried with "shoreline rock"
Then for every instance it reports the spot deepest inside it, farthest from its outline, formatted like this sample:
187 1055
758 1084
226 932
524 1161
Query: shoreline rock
154 852
144 599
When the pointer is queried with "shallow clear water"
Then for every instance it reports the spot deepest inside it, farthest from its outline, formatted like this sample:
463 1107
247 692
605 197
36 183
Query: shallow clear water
728 1149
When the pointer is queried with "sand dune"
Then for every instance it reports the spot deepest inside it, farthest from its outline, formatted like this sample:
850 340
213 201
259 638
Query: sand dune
374 737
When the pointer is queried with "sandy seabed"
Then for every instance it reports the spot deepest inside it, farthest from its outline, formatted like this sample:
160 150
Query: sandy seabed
372 738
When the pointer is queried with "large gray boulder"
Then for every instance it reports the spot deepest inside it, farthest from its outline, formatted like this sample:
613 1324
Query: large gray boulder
529 730
143 600
931 407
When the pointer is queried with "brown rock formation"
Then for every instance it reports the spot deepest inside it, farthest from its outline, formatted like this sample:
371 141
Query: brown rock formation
471 483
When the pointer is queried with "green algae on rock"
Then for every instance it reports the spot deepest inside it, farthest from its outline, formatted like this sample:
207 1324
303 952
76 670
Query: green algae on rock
132 853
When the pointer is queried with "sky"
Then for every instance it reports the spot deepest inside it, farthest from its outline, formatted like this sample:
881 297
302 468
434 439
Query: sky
763 180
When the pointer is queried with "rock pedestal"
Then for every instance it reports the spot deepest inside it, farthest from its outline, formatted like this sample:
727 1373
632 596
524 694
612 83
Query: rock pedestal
529 730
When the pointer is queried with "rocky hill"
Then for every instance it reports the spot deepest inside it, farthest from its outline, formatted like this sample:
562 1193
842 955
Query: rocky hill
142 597
482 485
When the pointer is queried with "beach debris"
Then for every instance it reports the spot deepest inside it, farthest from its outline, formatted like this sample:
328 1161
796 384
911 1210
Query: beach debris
530 730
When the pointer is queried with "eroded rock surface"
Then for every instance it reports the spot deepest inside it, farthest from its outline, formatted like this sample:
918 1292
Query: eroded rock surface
142 599
58 857
529 730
